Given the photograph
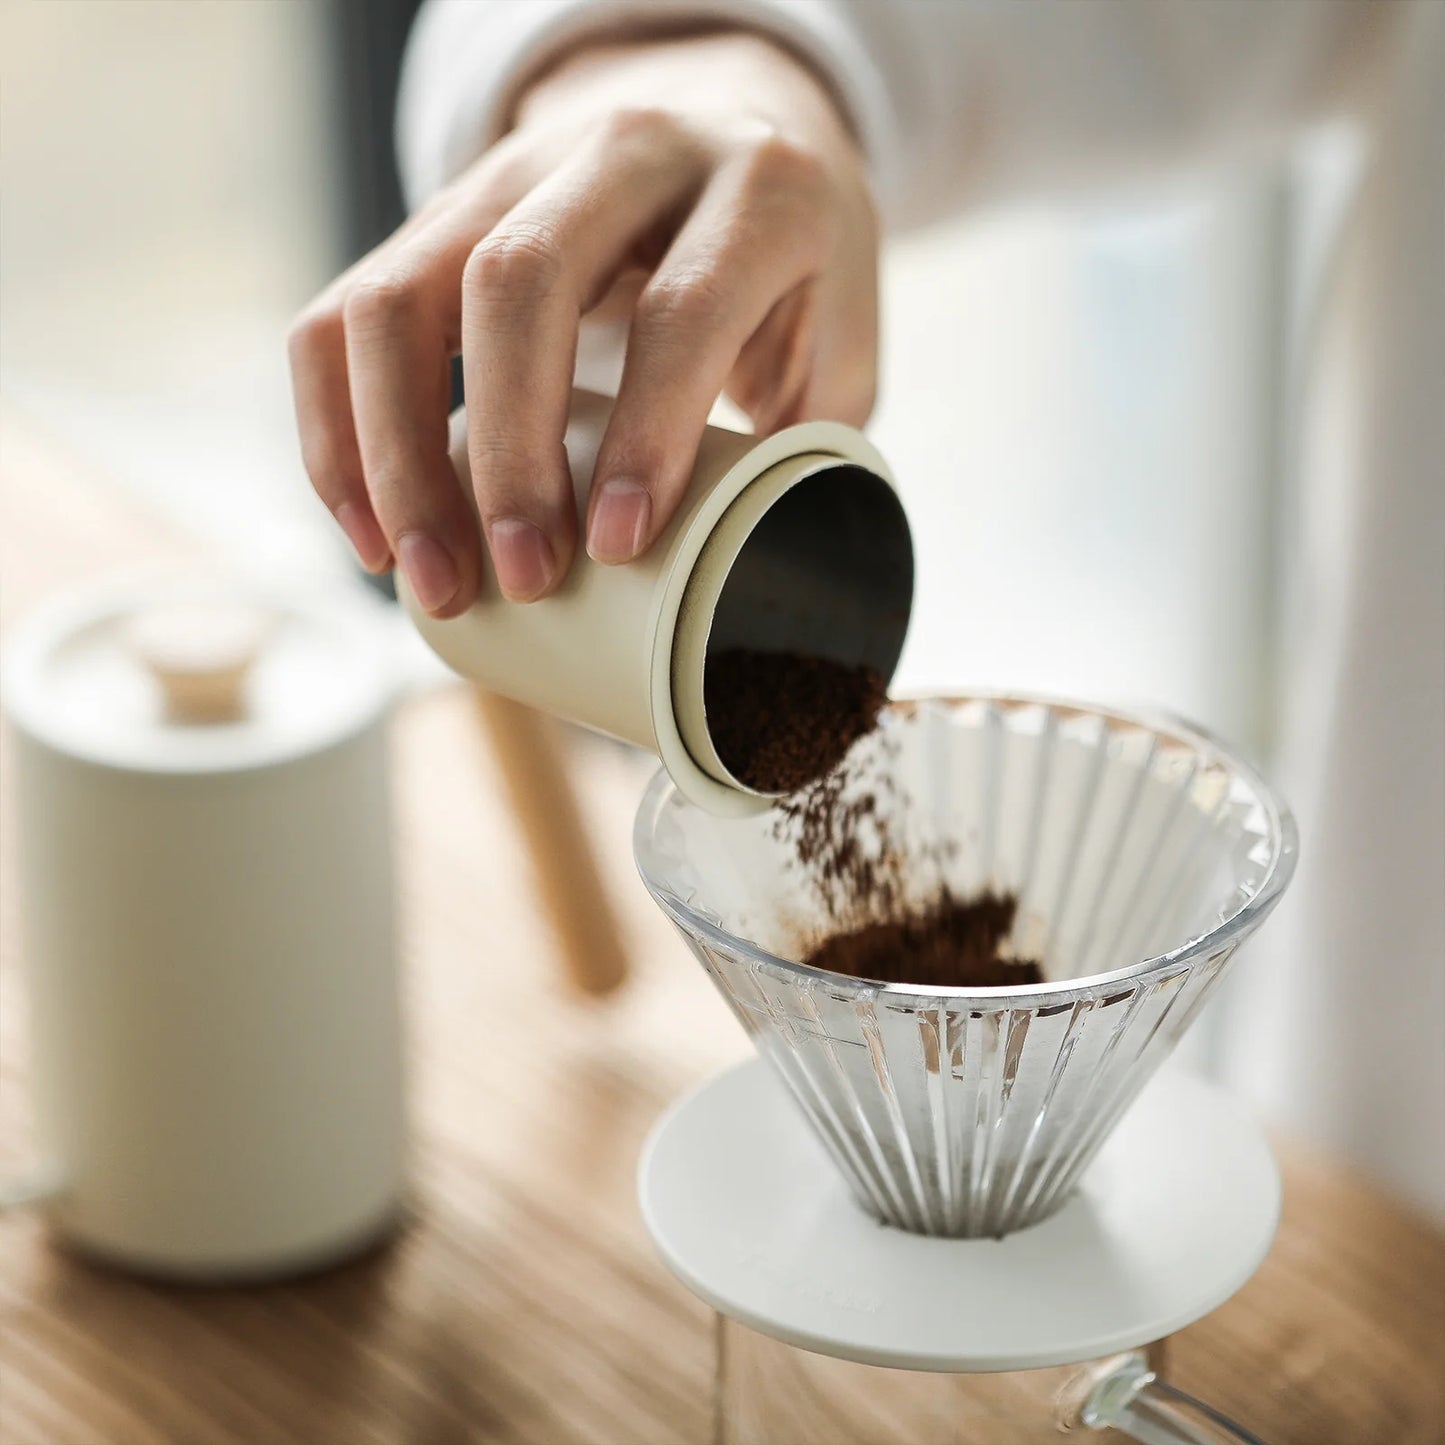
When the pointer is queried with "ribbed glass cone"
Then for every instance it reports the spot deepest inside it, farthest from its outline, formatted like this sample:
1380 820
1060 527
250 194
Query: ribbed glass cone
1142 854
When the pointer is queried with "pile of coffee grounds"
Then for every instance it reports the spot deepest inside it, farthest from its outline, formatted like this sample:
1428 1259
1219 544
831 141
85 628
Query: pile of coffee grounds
944 944
782 720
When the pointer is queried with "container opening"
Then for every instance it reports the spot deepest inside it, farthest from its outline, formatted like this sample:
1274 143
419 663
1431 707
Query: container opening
827 571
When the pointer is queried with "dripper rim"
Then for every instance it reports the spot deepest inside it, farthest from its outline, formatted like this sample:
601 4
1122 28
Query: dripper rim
1283 837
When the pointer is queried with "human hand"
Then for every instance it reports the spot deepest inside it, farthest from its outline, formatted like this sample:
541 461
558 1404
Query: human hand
708 189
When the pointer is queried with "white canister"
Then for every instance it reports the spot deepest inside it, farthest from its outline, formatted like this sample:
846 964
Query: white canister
207 908
791 542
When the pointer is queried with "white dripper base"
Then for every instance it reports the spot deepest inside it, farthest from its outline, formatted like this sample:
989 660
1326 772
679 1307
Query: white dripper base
1173 1217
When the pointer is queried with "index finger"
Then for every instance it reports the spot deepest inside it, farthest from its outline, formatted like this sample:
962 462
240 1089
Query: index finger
525 290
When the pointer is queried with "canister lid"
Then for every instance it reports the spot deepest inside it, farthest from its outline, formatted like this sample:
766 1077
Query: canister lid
185 675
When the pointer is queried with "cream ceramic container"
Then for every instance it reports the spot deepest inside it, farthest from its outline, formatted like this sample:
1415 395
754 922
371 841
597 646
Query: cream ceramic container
206 894
793 542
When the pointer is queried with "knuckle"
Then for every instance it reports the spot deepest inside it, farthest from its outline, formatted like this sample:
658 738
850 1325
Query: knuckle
679 303
312 332
520 259
499 458
640 124
777 164
381 303
502 468
515 477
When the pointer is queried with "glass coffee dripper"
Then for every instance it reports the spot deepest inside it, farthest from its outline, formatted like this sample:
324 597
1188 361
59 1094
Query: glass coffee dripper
1142 853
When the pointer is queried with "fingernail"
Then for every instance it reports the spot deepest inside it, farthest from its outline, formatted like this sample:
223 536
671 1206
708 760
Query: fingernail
619 521
430 571
367 539
522 556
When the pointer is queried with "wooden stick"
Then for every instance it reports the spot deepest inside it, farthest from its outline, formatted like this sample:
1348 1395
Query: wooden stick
540 791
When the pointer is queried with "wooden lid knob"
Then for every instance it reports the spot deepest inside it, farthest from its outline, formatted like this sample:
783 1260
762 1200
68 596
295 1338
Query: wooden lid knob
201 656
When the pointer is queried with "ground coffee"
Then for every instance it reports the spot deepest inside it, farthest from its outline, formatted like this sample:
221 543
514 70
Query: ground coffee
781 720
945 944
785 723
845 831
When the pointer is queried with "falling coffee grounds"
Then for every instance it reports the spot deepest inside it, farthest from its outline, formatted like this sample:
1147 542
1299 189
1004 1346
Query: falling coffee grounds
843 830
782 720
945 944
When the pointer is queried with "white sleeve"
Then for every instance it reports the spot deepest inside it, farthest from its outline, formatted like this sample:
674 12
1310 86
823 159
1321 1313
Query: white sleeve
956 101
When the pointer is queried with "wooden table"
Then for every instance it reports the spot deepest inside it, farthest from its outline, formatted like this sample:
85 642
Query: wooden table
522 1303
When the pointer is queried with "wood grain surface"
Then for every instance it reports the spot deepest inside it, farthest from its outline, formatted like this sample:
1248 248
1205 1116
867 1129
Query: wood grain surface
521 1301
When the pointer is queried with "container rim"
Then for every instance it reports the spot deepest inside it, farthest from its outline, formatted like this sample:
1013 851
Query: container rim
708 582
836 445
1283 839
